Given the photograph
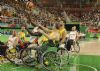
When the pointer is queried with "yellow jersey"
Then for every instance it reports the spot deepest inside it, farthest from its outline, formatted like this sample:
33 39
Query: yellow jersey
46 39
53 35
22 36
61 31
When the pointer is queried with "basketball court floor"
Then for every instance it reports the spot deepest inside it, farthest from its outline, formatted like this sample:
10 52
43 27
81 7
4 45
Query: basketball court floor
90 47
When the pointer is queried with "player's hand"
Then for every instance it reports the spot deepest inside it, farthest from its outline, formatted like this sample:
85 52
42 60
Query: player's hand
41 31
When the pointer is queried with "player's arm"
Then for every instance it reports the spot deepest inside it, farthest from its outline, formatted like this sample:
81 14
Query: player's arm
41 27
32 34
16 42
77 36
47 35
24 38
45 29
63 36
41 31
9 40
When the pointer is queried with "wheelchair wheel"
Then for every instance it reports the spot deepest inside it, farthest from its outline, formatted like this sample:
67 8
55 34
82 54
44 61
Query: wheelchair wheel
76 47
64 56
11 55
51 61
29 57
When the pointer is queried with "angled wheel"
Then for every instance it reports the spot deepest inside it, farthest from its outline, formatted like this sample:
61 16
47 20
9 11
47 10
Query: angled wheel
76 47
28 57
11 55
64 56
51 61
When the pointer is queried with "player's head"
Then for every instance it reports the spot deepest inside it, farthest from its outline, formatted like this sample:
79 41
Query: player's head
73 28
57 26
14 33
61 24
22 28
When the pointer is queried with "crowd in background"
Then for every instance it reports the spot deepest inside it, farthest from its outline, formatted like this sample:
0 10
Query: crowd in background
9 16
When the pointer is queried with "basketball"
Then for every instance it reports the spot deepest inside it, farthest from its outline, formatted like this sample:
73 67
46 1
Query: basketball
30 5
